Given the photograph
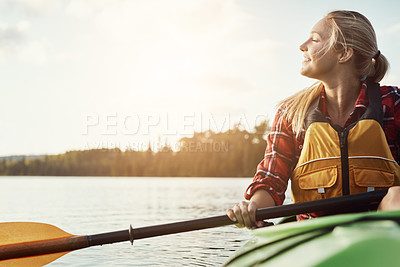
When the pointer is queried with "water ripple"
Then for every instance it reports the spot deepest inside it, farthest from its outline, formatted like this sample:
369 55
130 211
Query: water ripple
89 205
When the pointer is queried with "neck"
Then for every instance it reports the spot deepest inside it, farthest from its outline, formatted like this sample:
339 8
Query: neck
341 94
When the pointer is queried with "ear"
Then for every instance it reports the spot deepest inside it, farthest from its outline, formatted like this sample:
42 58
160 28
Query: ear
346 55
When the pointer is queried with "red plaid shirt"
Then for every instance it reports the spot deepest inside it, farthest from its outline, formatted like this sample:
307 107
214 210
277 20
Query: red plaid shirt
283 148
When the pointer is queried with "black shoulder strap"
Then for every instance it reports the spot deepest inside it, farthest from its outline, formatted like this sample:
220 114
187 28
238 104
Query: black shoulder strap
314 114
374 109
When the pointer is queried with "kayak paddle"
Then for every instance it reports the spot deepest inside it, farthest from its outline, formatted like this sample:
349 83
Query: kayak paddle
37 244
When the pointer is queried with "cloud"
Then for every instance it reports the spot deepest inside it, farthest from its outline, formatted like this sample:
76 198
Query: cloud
14 43
11 37
17 41
80 8
176 36
213 17
13 34
164 52
394 28
29 7
147 19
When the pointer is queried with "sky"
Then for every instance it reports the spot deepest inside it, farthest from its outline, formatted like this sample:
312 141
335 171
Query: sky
87 74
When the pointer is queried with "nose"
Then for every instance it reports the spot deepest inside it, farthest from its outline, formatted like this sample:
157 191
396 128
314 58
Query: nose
303 47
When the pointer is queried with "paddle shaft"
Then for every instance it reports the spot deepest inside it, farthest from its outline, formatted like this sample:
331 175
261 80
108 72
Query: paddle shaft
159 230
331 204
79 242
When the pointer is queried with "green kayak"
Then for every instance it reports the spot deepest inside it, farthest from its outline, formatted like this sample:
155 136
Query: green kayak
361 239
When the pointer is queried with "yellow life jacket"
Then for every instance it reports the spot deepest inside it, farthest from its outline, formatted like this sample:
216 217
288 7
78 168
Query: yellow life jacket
338 161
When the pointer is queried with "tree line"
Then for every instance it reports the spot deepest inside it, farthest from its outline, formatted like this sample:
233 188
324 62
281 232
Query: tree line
233 153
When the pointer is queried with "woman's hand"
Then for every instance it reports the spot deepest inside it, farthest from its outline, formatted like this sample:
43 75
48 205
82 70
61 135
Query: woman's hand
392 199
244 214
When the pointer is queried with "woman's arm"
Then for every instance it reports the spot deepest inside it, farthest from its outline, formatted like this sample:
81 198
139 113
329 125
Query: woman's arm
392 199
270 182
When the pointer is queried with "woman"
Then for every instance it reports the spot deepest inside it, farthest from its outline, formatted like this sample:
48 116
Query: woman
340 136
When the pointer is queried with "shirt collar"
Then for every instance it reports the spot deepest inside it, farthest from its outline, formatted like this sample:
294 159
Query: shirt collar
360 105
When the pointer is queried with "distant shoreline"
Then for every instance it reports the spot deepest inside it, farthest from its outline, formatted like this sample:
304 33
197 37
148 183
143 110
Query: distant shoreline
234 153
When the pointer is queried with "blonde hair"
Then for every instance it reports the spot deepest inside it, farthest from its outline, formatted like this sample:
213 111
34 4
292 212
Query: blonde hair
349 29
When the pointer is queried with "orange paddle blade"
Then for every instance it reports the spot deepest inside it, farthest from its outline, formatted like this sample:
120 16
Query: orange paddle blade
28 232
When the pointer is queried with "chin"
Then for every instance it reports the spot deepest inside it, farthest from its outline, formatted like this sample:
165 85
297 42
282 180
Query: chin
307 73
304 72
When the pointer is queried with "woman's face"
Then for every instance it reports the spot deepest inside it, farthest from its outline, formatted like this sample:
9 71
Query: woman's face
319 60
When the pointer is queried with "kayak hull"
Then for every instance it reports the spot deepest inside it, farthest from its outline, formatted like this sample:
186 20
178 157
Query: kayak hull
362 239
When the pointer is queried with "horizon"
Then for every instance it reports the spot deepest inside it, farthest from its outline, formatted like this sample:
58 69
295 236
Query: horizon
76 74
155 146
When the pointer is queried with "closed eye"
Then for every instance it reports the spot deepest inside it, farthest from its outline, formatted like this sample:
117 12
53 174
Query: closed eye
314 36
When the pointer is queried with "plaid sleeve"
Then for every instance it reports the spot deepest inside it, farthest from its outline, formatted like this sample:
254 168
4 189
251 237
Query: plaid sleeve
396 145
391 120
280 157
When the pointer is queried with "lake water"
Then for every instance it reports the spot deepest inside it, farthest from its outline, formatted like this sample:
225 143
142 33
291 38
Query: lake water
91 205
